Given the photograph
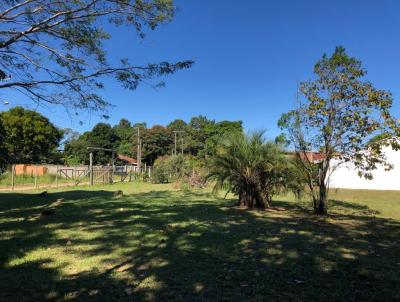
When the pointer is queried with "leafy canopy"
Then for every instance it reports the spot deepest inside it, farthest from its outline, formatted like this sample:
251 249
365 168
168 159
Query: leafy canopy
101 136
198 138
29 136
252 168
338 115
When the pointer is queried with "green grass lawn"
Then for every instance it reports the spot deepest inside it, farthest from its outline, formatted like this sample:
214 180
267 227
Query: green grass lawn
158 244
29 180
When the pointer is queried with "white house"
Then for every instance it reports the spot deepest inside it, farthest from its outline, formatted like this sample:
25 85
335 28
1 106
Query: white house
346 176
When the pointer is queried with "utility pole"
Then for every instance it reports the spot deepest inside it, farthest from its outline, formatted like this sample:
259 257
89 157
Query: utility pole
91 167
139 150
182 145
175 142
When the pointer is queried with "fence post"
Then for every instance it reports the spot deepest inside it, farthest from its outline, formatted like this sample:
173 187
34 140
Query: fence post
36 184
113 166
12 177
91 168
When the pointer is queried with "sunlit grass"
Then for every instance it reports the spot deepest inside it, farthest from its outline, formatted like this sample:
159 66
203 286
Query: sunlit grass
377 203
27 180
159 244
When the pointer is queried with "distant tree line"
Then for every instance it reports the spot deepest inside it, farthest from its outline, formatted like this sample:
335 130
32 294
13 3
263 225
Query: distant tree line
341 116
198 137
27 136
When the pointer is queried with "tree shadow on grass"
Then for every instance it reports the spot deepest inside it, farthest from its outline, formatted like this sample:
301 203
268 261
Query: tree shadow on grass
168 246
334 206
351 206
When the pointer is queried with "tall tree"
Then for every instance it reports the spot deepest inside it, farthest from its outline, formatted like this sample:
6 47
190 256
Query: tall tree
75 150
52 51
340 113
157 141
124 130
199 130
125 133
29 136
103 136
177 125
216 132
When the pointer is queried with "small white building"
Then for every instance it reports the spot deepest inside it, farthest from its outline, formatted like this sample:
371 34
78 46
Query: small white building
346 177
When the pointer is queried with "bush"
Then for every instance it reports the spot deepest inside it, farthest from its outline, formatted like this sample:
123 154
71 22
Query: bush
162 170
252 168
178 168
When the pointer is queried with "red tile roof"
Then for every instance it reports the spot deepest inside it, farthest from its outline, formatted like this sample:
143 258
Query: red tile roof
127 159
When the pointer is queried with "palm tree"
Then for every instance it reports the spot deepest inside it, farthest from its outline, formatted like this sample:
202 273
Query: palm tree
252 168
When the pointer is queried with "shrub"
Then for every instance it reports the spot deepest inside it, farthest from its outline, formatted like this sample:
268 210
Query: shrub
161 170
178 168
253 169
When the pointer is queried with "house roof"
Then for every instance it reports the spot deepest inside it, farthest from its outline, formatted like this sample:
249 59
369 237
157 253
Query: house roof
127 159
314 157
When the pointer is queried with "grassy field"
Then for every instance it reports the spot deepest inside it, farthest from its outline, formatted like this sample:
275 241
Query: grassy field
158 244
29 180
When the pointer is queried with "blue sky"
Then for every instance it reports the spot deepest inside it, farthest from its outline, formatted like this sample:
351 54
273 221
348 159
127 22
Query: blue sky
249 57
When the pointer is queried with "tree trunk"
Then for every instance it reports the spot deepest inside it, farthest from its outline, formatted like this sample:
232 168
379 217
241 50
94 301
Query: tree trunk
251 198
320 206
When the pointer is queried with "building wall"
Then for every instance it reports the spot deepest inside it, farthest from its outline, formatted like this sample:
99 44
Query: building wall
30 170
346 175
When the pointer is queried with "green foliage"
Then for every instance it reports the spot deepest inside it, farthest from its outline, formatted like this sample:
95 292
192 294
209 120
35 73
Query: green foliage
178 125
162 171
200 138
252 168
380 138
73 160
198 132
126 143
204 135
171 168
124 130
29 136
157 141
75 150
340 113
187 171
3 149
101 136
218 131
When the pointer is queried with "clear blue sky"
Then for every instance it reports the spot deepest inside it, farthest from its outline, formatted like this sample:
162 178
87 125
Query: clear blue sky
249 56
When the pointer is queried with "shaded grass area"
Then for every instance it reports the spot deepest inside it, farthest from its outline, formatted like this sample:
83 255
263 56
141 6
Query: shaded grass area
157 244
